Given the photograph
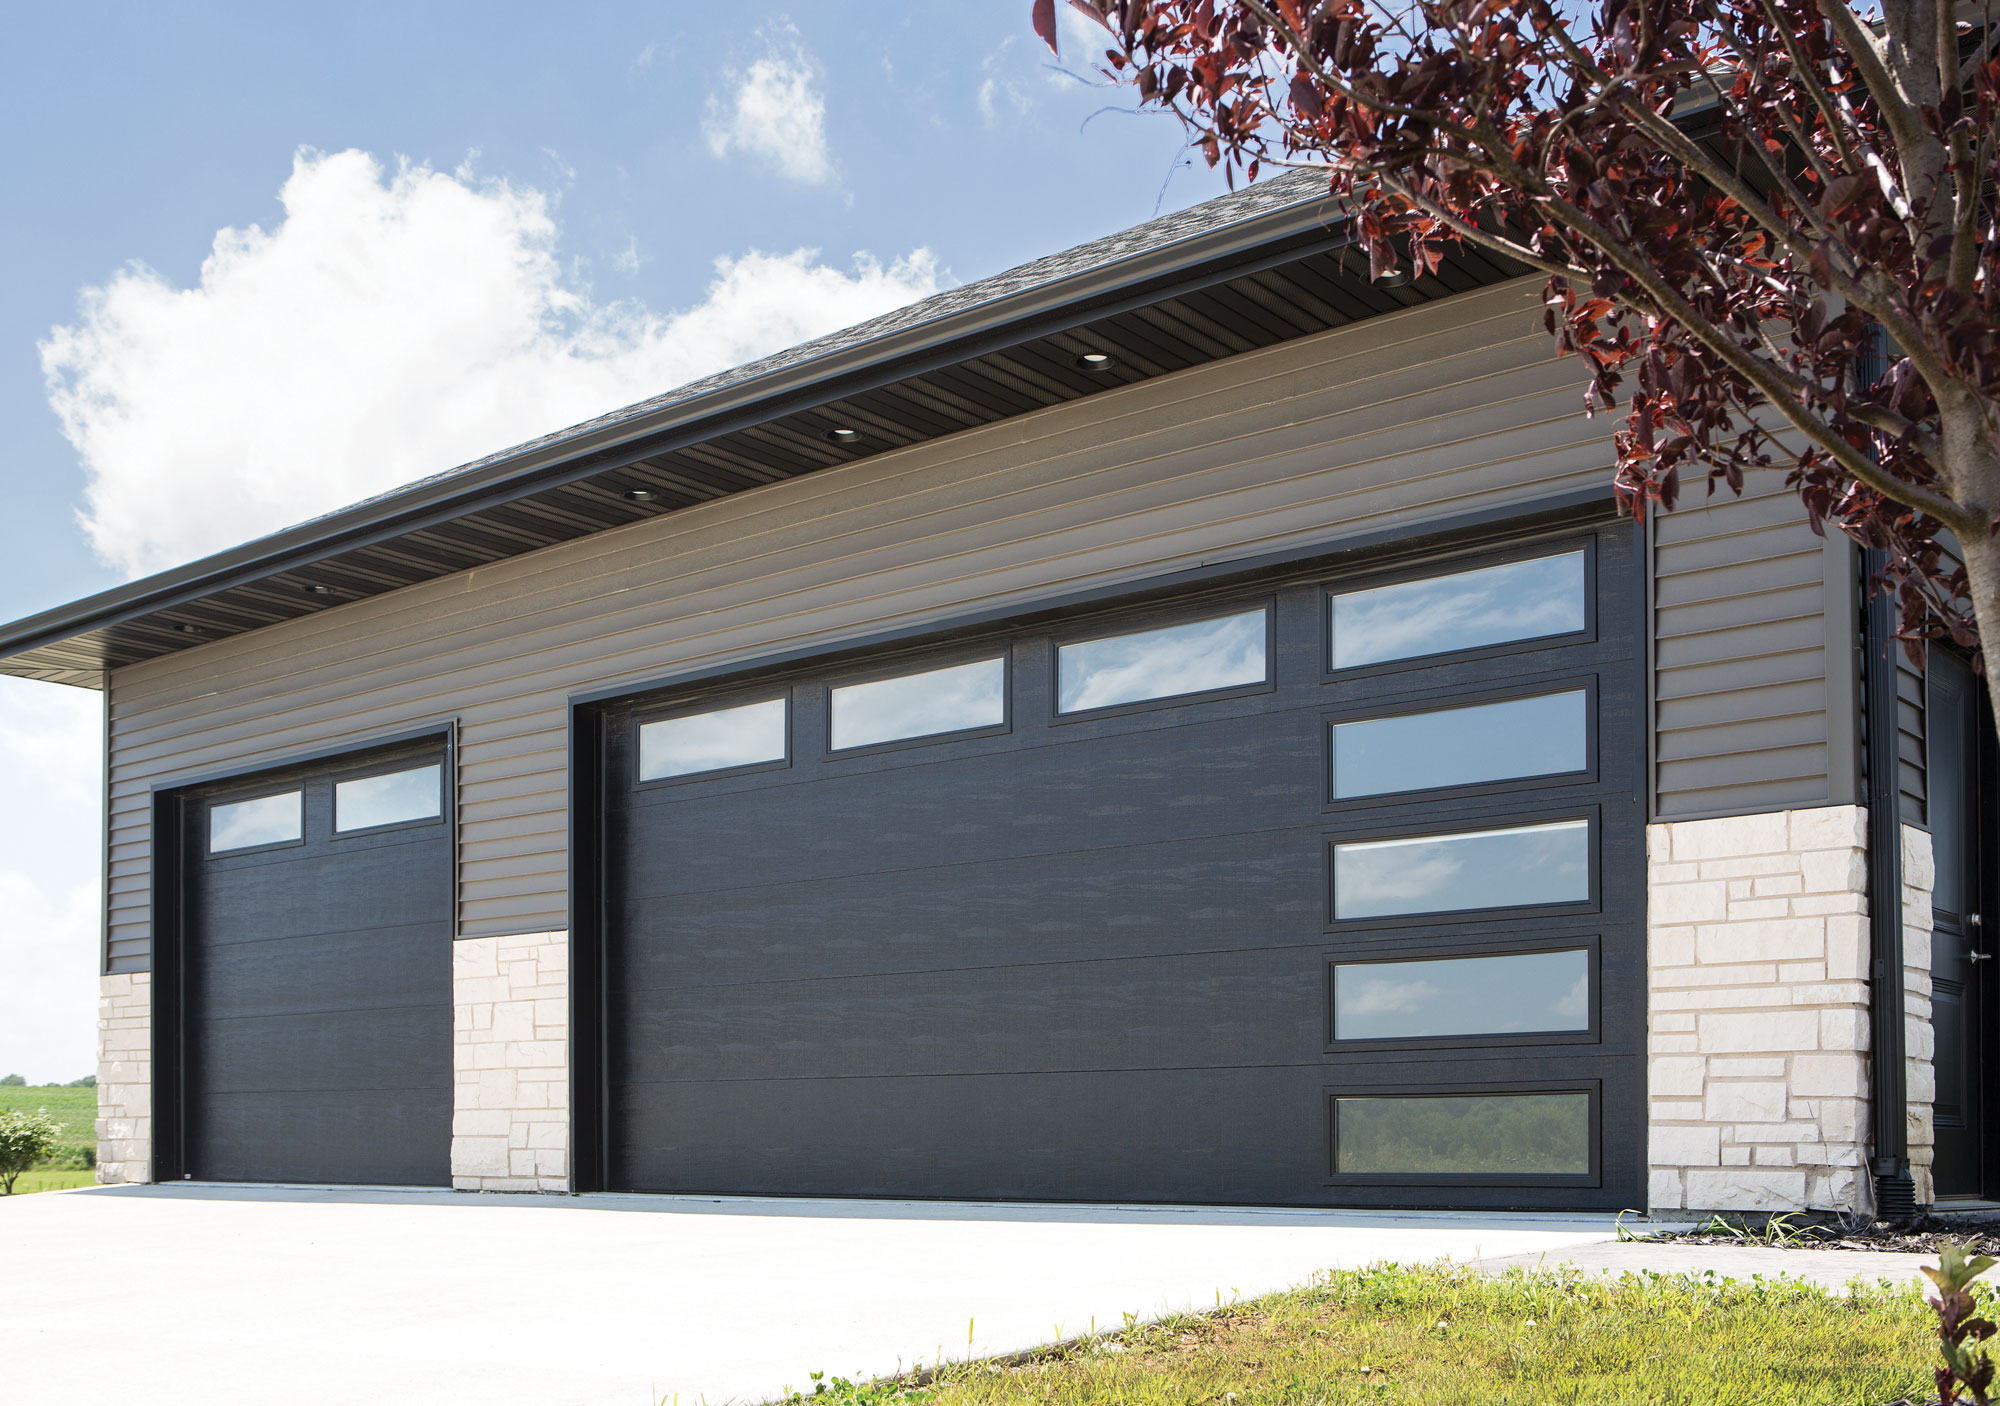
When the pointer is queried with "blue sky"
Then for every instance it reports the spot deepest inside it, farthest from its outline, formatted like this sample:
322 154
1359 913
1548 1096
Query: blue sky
538 231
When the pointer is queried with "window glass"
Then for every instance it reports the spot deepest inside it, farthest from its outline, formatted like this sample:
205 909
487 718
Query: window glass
726 737
1193 658
268 820
1519 601
1526 1134
919 705
1462 746
1474 869
389 799
1527 991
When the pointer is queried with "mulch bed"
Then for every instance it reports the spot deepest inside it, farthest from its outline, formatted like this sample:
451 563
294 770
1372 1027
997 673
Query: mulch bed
1925 1236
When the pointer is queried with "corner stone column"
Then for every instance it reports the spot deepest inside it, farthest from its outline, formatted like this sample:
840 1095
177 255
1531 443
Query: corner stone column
125 1077
1758 1037
510 1055
1919 1039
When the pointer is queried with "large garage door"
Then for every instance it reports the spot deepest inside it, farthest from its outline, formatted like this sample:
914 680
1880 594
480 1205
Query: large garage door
316 991
1322 890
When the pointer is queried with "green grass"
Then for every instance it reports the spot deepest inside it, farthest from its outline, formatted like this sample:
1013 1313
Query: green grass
75 1109
1449 1336
54 1179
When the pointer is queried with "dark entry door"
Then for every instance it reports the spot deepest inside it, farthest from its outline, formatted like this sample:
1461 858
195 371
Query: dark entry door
1962 954
316 991
1319 889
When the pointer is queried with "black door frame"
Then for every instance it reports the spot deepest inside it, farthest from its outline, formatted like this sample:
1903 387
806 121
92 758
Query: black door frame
590 711
168 873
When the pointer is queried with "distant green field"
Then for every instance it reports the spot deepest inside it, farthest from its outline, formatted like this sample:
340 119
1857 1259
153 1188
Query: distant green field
56 1179
76 1150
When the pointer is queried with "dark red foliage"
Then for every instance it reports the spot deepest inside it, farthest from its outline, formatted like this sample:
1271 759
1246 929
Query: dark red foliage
1730 200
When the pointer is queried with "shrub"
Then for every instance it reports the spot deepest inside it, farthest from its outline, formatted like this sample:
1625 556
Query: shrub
25 1139
13 1081
88 1081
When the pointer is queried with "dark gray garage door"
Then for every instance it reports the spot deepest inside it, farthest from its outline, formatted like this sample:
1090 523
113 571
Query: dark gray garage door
317 976
1316 890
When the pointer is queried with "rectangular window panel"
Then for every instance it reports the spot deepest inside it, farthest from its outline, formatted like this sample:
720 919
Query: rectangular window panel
1497 1135
921 705
727 737
268 820
393 798
1514 994
1508 868
1521 600
1195 658
1462 746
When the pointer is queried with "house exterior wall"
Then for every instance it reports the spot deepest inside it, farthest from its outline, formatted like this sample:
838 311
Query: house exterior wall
1431 415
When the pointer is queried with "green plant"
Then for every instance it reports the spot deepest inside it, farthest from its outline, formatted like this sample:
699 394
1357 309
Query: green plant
1960 1325
88 1081
1777 1230
12 1081
25 1139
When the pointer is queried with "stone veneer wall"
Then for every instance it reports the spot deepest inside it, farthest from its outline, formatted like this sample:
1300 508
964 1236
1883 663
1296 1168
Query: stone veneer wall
1758 959
510 1124
1918 1042
125 1077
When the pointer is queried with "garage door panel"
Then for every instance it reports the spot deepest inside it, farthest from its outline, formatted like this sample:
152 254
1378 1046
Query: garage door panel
376 1137
335 891
393 1047
1222 893
315 989
1089 958
320 973
1143 1135
1209 1009
1024 802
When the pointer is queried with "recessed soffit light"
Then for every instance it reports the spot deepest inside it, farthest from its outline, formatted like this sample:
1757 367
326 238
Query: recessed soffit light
843 435
639 495
1097 361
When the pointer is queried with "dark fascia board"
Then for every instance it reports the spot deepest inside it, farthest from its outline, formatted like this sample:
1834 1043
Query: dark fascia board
1281 234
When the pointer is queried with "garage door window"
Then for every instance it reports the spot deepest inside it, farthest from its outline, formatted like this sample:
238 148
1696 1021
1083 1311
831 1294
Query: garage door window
1508 1135
1515 993
268 820
960 698
1515 867
1200 657
1521 737
393 798
719 740
1520 600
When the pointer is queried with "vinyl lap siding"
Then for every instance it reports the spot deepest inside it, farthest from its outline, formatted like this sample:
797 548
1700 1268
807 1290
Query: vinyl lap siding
1741 654
1430 414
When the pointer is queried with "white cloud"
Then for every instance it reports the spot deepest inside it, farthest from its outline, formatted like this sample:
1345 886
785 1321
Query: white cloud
775 112
393 324
50 755
998 91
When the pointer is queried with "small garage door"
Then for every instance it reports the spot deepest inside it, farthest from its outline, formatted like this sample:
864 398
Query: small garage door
316 979
1318 890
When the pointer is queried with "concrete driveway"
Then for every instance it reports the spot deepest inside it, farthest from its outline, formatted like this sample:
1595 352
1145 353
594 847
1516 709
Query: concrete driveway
205 1294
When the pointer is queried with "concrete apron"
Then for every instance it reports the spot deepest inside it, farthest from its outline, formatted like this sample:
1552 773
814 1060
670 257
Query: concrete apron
1829 1269
200 1294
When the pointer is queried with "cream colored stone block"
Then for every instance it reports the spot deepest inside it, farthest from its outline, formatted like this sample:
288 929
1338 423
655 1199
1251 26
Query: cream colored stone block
480 1122
474 957
1735 1156
1748 1066
1766 940
1919 870
1846 947
1843 1029
1747 909
1729 837
1766 1030
1749 868
1689 903
1746 1189
1829 1076
513 1020
548 1135
1780 1156
1761 1101
1681 1146
1670 947
1793 974
1679 1022
1827 827
1819 904
1834 871
1671 1044
1676 1076
1663 1190
479 1156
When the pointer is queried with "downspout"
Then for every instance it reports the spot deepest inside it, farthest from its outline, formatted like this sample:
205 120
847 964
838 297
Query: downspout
1895 1192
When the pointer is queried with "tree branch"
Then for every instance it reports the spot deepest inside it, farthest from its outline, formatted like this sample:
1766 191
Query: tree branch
1906 124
